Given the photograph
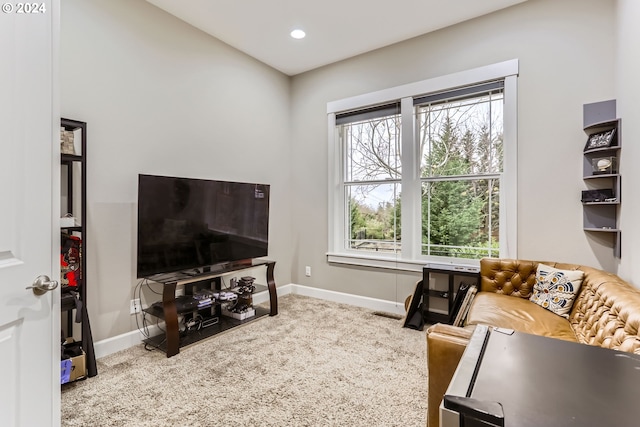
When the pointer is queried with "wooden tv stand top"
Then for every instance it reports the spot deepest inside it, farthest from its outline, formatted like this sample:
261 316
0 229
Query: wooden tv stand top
197 274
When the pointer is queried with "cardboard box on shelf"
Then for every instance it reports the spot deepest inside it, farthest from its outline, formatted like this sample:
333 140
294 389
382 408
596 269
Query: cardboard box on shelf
78 358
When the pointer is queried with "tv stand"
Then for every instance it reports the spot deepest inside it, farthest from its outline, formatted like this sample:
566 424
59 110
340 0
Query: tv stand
171 341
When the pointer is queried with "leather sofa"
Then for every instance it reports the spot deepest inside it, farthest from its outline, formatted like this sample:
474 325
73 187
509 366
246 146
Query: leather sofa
605 313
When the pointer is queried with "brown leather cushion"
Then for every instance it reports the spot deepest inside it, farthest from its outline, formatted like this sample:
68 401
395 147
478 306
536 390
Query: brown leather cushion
520 314
445 345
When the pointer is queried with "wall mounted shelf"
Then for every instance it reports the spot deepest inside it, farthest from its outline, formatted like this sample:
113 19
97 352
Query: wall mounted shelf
604 143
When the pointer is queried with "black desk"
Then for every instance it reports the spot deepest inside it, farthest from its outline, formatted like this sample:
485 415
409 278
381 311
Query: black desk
546 382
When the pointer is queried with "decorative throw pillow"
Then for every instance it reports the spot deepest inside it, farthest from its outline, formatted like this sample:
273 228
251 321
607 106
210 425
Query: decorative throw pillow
556 289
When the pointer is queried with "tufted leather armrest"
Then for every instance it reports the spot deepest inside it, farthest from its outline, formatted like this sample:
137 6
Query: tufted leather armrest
607 312
445 345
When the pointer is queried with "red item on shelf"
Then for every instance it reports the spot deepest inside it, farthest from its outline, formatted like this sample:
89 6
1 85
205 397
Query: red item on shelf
70 256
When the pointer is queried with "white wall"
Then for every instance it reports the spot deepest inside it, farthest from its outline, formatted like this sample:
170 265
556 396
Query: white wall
161 97
628 94
566 50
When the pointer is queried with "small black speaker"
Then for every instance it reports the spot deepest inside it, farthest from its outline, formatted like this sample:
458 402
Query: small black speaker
604 195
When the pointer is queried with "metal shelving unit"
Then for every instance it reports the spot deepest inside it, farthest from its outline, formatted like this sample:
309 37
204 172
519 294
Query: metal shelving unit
72 166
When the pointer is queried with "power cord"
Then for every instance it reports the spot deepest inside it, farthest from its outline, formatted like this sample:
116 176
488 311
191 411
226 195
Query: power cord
142 322
137 293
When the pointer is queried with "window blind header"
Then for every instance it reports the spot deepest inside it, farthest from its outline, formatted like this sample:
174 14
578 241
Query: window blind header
462 93
368 113
394 108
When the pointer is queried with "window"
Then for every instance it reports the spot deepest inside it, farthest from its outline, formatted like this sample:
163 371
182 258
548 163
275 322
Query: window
425 171
461 145
372 180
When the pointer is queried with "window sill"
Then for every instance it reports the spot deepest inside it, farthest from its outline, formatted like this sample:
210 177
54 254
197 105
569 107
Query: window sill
388 263
392 263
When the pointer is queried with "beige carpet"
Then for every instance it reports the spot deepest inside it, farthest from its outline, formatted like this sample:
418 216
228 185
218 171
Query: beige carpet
317 363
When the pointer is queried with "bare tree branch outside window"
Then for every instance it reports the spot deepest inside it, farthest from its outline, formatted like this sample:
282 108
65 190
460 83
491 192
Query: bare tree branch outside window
373 173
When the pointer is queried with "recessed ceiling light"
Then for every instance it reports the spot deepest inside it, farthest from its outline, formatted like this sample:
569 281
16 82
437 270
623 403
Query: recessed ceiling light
298 34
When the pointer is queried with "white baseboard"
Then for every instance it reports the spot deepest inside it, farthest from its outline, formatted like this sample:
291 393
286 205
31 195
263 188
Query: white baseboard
341 297
121 342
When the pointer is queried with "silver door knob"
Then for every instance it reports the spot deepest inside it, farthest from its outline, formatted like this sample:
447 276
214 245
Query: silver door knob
42 285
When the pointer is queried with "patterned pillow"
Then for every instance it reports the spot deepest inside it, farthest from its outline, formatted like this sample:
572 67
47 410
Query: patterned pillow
556 289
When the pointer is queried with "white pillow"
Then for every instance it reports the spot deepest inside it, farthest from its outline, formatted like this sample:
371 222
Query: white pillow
556 289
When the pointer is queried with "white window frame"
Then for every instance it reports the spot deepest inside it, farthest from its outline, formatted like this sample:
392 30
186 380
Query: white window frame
410 257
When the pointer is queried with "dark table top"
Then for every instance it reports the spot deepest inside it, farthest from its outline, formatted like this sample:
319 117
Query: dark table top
549 382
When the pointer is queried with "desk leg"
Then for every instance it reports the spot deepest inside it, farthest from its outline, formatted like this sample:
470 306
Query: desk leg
271 284
171 319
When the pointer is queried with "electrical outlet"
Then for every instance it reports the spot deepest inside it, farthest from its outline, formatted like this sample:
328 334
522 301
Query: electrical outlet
135 306
307 271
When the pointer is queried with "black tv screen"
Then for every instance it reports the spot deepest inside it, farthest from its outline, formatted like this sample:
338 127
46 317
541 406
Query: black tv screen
186 223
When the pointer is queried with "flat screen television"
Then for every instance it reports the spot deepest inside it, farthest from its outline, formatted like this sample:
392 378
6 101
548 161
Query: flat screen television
189 224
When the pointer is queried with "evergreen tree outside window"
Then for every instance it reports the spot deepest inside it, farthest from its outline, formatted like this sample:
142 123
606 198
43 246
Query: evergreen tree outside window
461 163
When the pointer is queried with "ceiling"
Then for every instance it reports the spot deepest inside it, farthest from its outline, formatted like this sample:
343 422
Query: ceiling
336 29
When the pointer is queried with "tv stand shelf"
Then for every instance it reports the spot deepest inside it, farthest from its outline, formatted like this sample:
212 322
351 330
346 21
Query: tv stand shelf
224 324
171 341
158 311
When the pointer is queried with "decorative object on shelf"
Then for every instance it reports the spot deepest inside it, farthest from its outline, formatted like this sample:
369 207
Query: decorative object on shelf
67 221
604 165
66 141
602 195
600 140
70 260
245 285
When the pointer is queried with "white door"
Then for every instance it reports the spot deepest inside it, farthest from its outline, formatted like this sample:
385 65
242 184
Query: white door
29 120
